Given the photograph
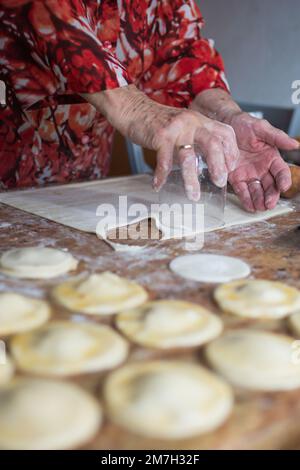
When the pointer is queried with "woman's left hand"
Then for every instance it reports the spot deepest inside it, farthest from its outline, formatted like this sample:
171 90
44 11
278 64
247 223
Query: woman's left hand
261 174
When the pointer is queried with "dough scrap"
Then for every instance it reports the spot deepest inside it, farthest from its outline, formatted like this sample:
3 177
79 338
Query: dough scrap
258 298
36 262
169 324
21 313
167 399
206 267
6 369
256 360
99 294
64 348
43 414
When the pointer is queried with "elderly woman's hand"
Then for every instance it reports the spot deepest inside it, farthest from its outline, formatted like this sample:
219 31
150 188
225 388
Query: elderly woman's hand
166 129
261 173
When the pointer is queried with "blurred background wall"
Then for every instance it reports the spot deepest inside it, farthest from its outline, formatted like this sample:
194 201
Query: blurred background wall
260 44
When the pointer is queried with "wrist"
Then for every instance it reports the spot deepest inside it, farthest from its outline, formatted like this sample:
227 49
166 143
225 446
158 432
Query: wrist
216 104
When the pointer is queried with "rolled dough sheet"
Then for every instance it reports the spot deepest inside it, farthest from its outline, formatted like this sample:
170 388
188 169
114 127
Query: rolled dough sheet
75 205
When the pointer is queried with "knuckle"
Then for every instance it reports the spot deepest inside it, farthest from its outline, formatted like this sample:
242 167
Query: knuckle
215 141
184 117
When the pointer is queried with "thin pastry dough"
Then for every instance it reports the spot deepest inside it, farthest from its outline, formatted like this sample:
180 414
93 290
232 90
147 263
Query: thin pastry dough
208 267
169 324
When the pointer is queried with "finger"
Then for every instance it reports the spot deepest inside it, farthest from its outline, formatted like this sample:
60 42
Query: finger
275 137
271 192
217 167
213 152
257 195
163 165
282 174
242 191
231 150
188 163
231 155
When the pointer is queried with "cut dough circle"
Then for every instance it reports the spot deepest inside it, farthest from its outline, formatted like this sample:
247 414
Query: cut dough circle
257 360
44 414
206 267
64 348
21 313
167 399
258 298
294 323
37 262
169 324
99 294
6 368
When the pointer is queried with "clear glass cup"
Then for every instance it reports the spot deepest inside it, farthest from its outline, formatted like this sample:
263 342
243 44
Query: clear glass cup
210 207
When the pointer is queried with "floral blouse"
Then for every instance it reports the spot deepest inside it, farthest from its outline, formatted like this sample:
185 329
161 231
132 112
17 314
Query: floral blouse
52 50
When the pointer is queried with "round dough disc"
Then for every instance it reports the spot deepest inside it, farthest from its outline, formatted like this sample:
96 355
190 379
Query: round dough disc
67 348
258 298
209 268
6 368
167 399
21 313
257 360
169 324
37 262
99 294
43 414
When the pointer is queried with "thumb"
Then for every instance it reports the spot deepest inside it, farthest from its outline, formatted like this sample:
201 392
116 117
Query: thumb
275 137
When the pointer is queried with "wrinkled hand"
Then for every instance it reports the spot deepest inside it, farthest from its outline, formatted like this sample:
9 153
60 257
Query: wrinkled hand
216 142
165 129
260 159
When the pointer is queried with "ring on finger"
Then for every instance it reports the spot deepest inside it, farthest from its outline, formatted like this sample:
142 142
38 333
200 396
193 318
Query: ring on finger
185 147
254 181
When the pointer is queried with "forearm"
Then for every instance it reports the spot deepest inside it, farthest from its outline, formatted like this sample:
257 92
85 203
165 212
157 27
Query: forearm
216 104
126 106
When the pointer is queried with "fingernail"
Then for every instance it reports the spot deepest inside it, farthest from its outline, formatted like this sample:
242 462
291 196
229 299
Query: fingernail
196 196
155 184
189 192
222 181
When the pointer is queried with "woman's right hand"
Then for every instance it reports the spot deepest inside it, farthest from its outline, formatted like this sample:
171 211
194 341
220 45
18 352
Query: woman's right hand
166 129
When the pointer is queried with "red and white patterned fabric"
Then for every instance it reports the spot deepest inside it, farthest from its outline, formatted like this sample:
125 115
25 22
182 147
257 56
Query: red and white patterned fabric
52 50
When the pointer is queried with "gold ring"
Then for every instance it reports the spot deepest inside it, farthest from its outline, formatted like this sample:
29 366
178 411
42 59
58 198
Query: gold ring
185 147
256 181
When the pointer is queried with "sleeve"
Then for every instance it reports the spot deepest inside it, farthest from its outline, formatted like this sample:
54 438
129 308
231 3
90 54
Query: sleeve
52 48
185 63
